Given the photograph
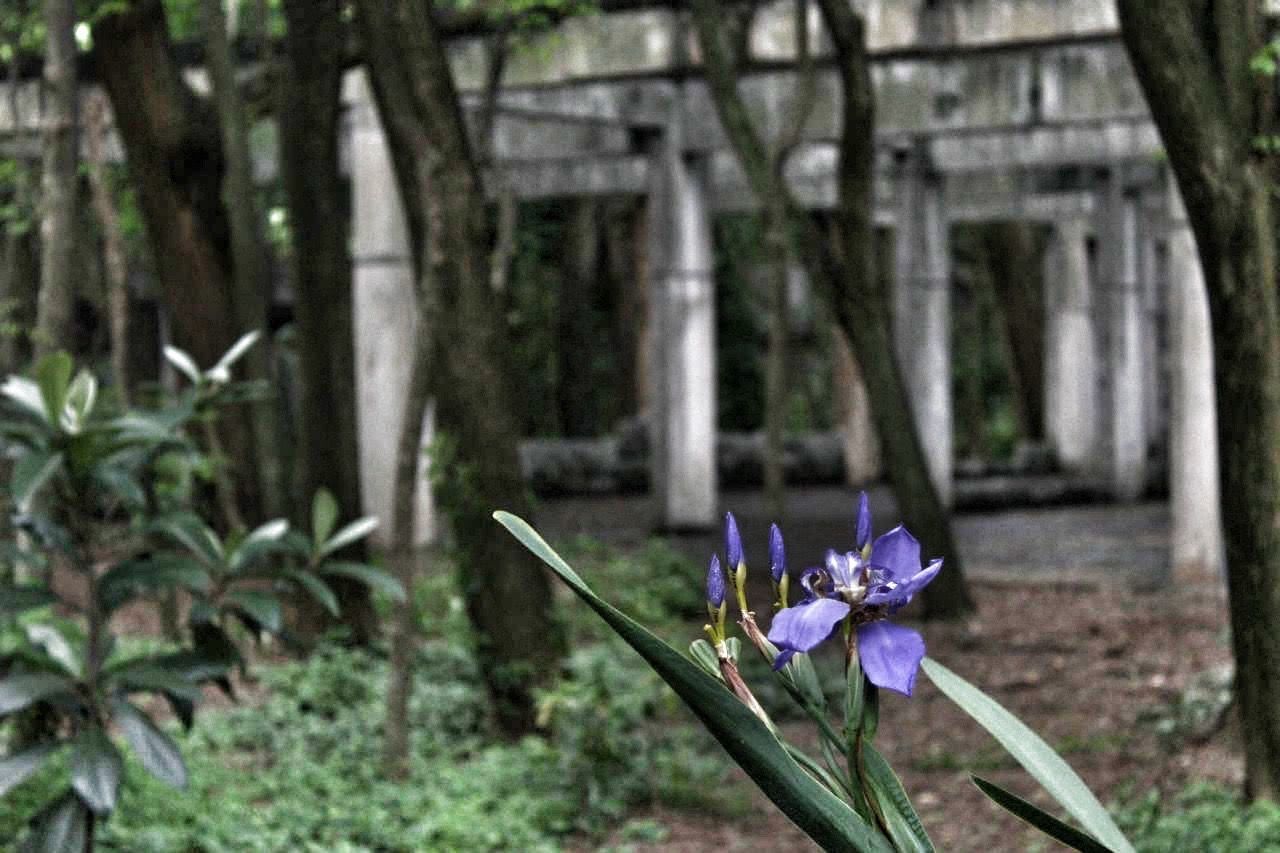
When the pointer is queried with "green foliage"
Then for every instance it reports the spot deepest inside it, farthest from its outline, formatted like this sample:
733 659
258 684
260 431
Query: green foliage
1204 817
80 477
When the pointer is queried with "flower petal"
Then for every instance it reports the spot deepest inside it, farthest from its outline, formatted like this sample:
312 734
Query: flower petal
898 552
890 655
715 583
804 626
863 535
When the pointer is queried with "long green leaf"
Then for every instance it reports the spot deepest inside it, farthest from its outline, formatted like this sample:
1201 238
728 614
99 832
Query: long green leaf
30 473
324 515
317 589
349 534
165 571
1039 759
908 831
95 770
60 828
370 576
19 599
53 376
260 607
26 394
19 691
825 817
155 750
21 766
1039 818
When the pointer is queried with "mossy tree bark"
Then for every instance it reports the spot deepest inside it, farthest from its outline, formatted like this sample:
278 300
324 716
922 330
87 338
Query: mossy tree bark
1193 58
841 263
321 274
507 594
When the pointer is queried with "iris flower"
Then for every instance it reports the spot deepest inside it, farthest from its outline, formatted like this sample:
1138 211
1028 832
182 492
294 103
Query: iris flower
864 586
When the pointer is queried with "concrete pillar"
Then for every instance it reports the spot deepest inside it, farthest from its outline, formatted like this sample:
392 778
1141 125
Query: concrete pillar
683 358
922 314
1153 298
862 463
1070 370
385 321
1196 524
1126 437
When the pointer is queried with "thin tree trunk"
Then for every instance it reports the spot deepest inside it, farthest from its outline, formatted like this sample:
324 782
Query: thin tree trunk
54 329
1013 255
842 268
575 387
112 242
321 276
507 594
775 366
174 153
1193 61
251 259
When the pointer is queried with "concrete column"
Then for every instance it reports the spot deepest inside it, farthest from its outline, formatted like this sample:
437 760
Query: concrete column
862 463
922 315
1196 524
683 358
1126 438
1070 370
1152 295
385 320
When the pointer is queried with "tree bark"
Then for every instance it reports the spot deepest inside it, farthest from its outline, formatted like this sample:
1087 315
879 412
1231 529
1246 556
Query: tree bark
507 594
251 259
56 301
321 275
113 249
841 266
174 154
1193 61
575 386
1013 256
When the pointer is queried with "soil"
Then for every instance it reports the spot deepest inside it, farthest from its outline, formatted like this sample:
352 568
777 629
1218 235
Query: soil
1079 632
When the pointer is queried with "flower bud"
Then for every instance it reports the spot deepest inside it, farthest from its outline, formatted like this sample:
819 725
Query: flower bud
715 583
777 554
732 542
863 534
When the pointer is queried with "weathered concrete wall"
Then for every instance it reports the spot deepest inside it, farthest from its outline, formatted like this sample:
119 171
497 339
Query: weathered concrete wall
385 319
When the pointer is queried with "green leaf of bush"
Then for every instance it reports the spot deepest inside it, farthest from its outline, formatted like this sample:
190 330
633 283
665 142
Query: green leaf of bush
827 819
1030 750
95 770
370 576
19 599
19 691
21 766
156 751
61 827
30 473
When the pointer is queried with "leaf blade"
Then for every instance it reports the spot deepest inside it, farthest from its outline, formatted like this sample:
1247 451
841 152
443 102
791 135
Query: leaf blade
96 768
1029 749
156 751
1038 818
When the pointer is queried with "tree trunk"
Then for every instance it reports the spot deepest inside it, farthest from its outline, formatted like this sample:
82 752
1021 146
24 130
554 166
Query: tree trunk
56 301
842 267
507 594
1193 61
251 259
172 145
112 243
775 364
321 275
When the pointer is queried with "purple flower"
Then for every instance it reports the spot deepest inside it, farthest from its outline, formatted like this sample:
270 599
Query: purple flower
732 543
777 554
866 591
863 534
715 583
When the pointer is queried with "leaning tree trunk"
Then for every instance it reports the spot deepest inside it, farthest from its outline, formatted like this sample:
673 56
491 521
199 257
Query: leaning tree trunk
321 275
842 267
113 249
171 142
54 330
507 594
251 259
1193 61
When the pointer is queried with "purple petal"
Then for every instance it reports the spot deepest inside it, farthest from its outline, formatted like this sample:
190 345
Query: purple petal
890 655
843 568
783 658
898 552
715 583
812 580
777 554
804 626
863 535
732 542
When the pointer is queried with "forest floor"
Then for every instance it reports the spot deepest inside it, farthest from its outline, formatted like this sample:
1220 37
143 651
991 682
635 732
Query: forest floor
1078 631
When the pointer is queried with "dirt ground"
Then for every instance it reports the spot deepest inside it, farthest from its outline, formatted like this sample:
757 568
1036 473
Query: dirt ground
1079 633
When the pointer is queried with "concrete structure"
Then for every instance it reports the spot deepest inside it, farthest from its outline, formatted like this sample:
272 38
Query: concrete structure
1196 524
986 109
385 320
